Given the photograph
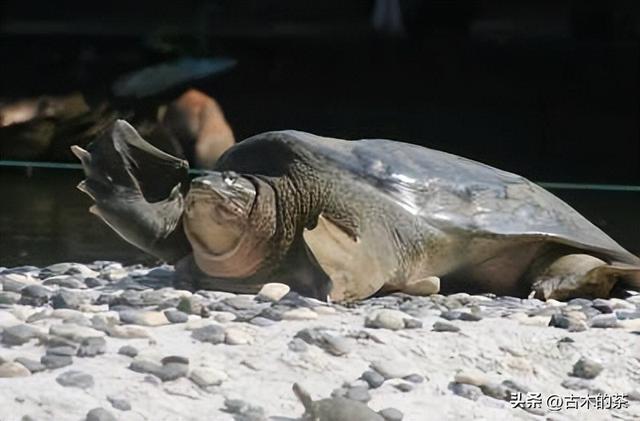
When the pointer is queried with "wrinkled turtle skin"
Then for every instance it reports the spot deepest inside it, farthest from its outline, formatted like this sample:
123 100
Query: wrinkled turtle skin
349 219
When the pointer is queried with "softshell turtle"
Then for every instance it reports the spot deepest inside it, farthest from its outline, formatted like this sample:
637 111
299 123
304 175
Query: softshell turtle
348 219
334 409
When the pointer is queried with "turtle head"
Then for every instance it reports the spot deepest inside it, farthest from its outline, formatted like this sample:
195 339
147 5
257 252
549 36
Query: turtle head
228 197
226 223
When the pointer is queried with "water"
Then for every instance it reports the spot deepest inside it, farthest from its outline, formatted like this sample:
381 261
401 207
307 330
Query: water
45 219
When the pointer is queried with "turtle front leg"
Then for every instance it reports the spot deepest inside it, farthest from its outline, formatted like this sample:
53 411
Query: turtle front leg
578 276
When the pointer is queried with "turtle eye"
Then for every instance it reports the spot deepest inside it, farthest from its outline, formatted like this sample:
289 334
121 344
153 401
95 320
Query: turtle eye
230 178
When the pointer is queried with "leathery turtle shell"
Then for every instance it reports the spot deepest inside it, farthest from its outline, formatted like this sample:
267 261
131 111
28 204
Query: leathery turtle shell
455 194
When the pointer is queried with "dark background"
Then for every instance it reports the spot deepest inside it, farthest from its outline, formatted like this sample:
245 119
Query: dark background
546 89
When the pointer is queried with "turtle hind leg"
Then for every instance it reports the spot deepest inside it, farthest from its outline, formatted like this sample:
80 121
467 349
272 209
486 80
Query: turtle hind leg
579 276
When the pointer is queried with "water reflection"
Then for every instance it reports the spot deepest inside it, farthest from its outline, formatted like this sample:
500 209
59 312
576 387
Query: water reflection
44 219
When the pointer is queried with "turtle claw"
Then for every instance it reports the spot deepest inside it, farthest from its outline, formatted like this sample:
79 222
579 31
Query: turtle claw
82 186
85 159
82 154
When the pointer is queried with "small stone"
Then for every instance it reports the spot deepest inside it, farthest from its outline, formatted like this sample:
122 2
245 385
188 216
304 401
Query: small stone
391 414
440 326
172 371
95 282
7 320
178 359
176 316
604 321
336 344
67 299
198 323
128 350
393 369
9 298
273 291
65 281
472 376
19 334
223 316
572 324
9 369
302 313
373 378
75 378
213 334
154 297
35 295
465 390
152 380
56 361
603 306
298 345
412 323
587 368
295 300
32 365
90 347
624 314
404 387
205 377
450 315
414 378
331 342
68 351
632 325
128 332
191 305
119 403
100 414
140 365
143 318
235 336
66 314
460 315
271 314
262 322
620 304
53 341
324 310
75 332
240 302
15 282
387 319
360 394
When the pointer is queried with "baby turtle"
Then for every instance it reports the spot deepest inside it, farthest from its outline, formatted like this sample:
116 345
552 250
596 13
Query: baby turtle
348 219
334 409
